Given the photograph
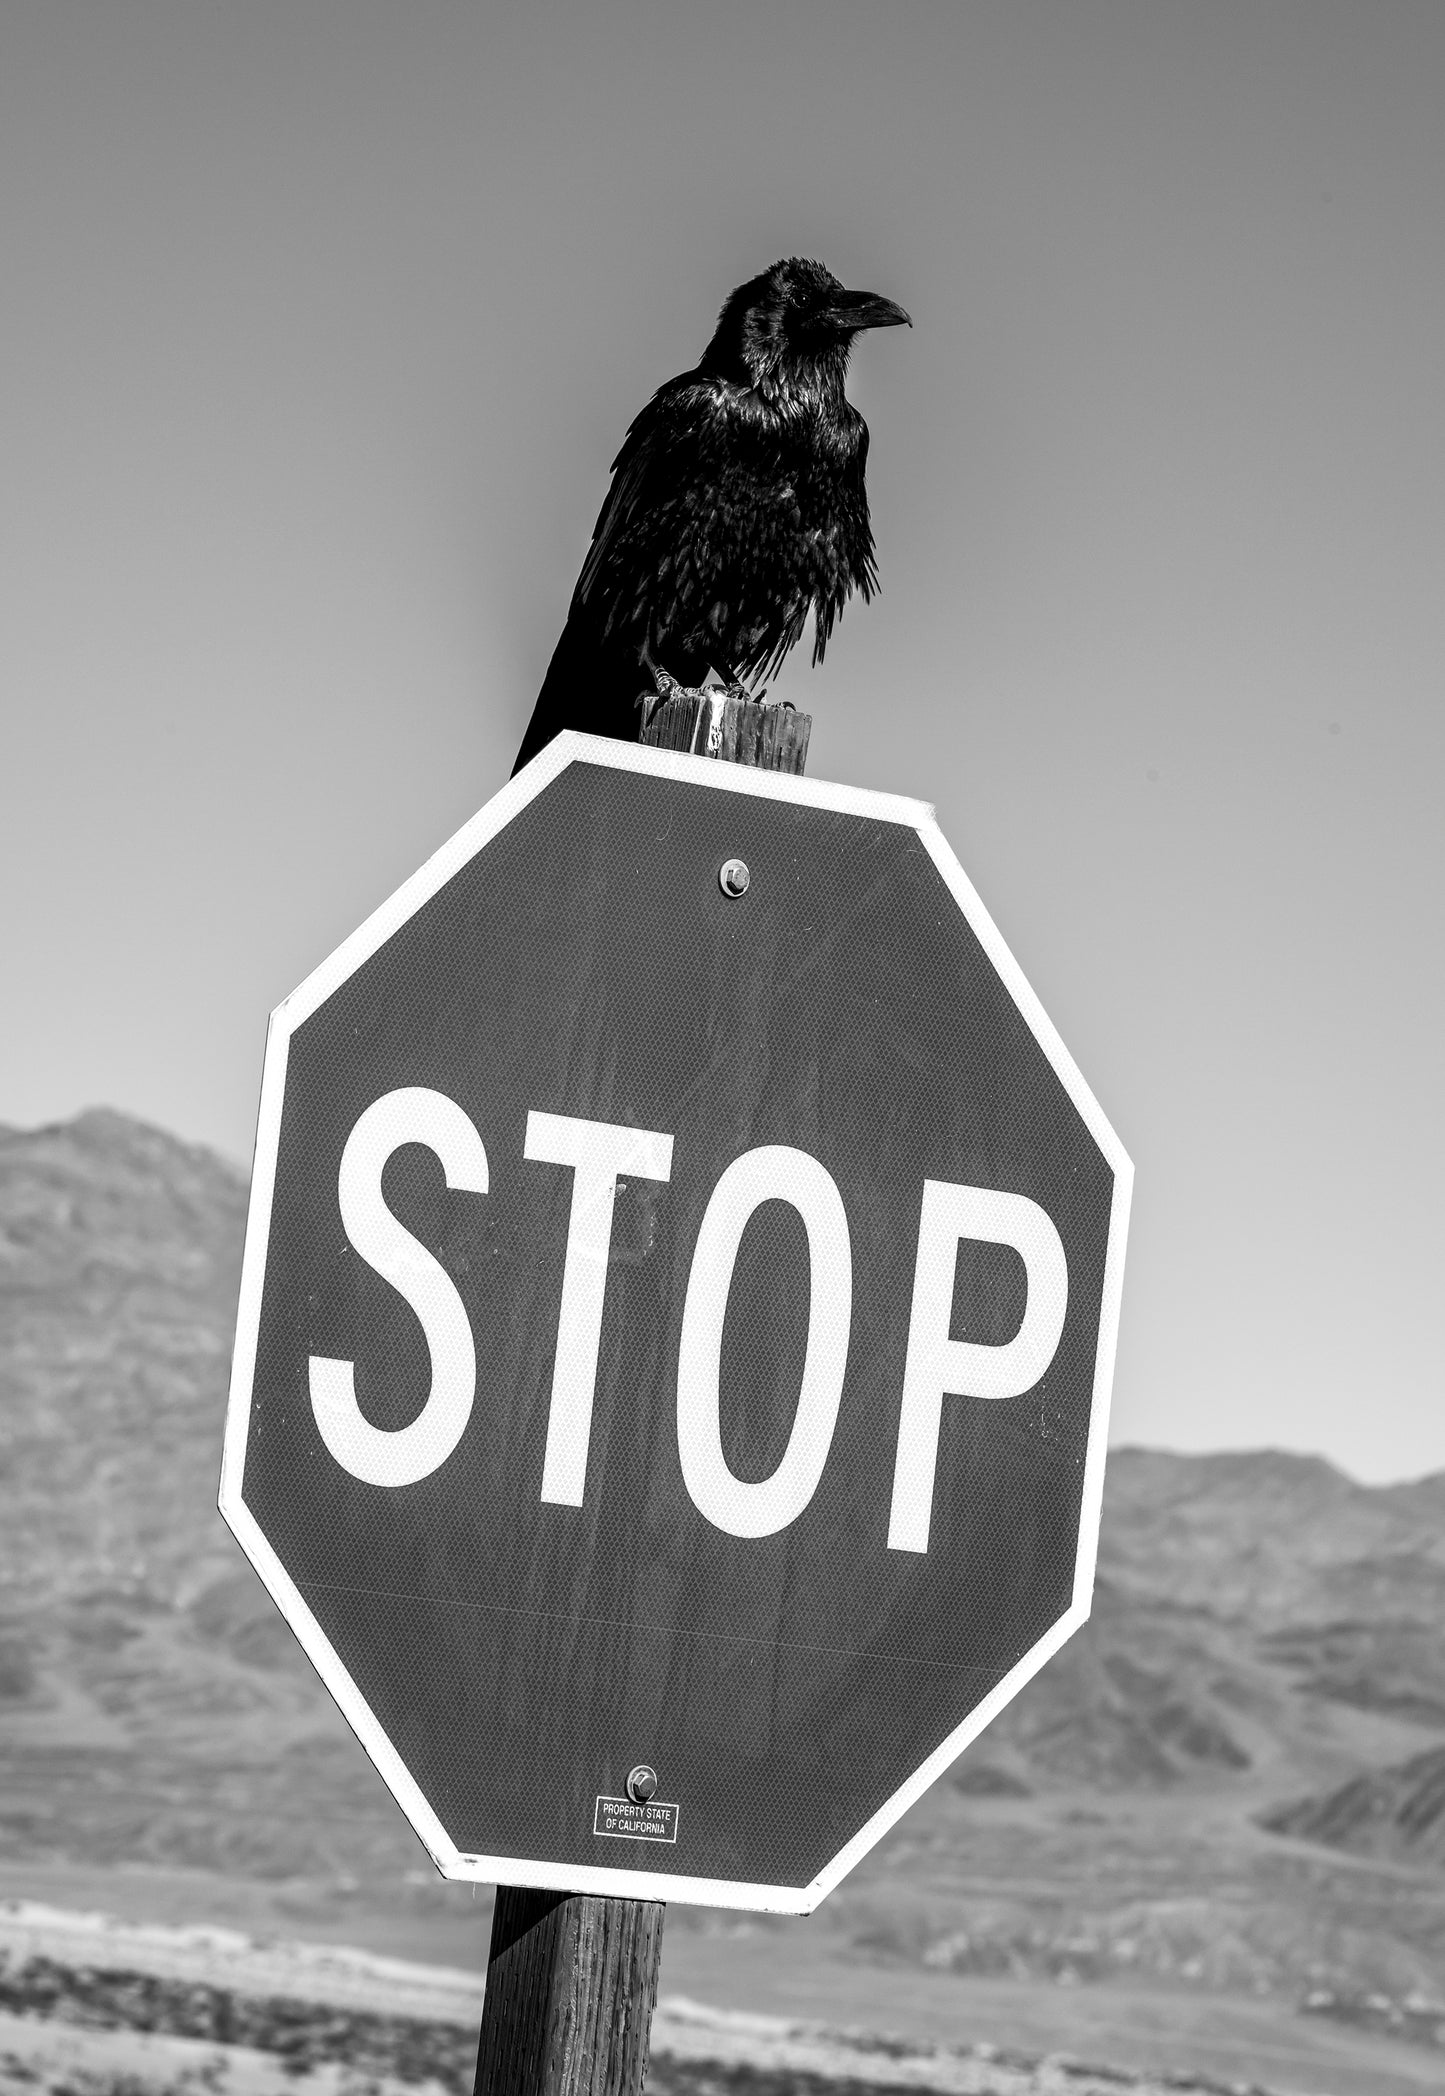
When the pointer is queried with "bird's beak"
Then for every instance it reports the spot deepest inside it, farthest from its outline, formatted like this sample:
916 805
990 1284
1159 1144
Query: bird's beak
856 310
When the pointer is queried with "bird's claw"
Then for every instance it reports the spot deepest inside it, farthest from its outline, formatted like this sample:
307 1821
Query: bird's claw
668 687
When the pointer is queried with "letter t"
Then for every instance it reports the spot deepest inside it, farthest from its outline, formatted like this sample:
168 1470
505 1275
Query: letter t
597 1152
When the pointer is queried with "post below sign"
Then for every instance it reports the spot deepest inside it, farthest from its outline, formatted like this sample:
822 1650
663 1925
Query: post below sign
676 1328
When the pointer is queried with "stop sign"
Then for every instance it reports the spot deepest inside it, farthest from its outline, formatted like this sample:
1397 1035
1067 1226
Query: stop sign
676 1329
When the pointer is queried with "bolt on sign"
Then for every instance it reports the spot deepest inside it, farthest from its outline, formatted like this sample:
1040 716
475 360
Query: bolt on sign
676 1329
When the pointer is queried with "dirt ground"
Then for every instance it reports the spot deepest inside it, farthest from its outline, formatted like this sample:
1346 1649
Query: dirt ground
244 2002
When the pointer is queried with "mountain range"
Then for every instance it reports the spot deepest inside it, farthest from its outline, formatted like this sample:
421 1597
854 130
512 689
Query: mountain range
1232 1779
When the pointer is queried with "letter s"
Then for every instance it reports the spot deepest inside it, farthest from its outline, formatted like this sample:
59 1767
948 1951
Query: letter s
404 1455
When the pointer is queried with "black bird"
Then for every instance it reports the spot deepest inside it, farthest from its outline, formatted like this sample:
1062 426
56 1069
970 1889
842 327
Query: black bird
737 507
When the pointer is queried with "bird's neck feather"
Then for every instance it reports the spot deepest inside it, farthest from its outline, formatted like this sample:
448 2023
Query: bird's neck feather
797 383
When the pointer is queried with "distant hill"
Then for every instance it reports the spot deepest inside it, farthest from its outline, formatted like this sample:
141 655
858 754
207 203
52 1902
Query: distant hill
1265 1631
120 1253
153 1706
1394 1812
1256 1615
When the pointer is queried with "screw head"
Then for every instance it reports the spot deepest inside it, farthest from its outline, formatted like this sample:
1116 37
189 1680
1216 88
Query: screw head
641 1783
733 877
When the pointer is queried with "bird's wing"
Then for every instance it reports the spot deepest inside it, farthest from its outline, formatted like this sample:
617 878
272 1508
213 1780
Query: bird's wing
851 560
708 549
660 457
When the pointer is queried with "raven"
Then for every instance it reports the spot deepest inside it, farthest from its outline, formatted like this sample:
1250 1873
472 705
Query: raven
737 507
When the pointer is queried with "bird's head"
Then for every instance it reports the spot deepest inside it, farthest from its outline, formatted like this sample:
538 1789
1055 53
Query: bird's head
793 324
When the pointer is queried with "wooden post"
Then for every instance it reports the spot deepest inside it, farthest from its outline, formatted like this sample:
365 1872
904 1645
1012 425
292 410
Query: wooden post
571 1984
572 1978
739 731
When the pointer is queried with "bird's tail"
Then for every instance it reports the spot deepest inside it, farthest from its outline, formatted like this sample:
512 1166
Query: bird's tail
588 685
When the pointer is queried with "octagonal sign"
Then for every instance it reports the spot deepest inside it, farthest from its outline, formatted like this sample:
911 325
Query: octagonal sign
676 1329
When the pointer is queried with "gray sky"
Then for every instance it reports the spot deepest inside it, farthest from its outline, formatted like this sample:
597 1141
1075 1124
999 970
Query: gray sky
323 320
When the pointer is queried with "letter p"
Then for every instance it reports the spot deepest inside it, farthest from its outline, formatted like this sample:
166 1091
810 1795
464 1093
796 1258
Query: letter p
940 1366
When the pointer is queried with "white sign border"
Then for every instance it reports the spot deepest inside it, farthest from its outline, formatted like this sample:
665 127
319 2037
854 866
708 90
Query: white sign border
616 1881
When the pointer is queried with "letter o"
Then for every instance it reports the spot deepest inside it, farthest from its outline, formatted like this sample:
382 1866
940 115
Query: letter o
770 1173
